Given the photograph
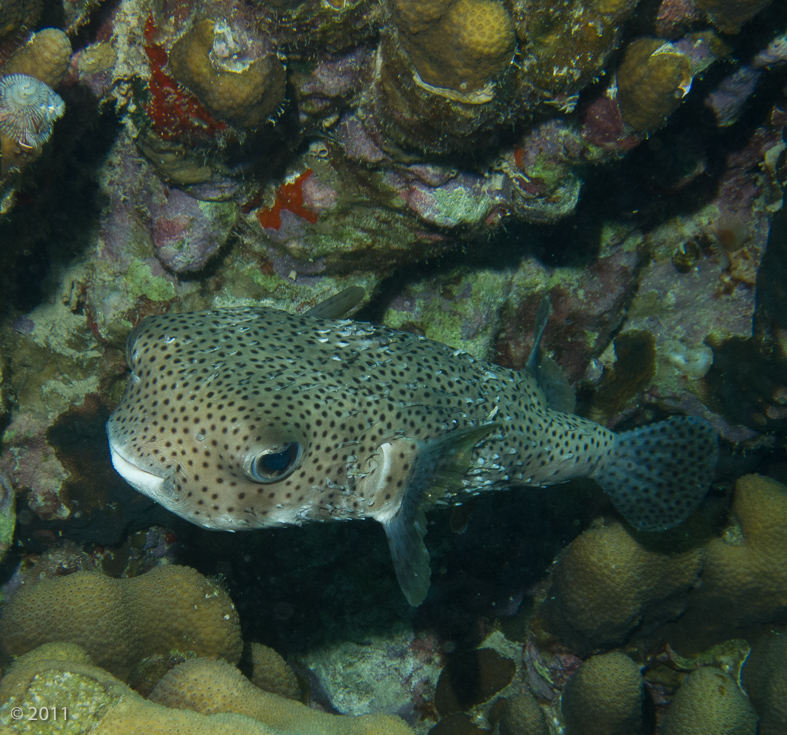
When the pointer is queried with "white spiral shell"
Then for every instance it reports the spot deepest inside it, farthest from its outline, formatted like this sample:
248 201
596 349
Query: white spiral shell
28 109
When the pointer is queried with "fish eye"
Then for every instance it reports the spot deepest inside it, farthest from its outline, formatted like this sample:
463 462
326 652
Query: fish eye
275 463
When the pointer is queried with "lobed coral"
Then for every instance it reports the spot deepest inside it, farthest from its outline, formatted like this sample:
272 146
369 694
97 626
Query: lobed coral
764 677
46 56
271 673
97 701
211 686
522 715
744 571
604 584
606 696
121 622
461 45
708 701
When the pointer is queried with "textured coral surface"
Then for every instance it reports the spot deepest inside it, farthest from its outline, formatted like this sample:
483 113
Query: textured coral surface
121 622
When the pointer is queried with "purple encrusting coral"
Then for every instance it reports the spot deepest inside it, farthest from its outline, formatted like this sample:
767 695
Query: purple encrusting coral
186 232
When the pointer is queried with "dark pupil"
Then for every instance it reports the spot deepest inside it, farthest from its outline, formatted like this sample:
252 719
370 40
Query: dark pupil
276 462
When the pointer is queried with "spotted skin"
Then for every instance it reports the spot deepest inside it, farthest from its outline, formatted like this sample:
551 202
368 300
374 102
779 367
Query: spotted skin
343 415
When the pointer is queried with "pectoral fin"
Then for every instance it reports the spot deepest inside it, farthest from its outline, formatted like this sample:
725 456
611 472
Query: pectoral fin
439 467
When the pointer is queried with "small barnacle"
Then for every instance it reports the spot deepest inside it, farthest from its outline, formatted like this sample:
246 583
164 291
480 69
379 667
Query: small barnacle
28 109
686 256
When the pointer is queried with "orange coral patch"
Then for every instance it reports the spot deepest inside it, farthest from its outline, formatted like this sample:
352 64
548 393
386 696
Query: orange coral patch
289 197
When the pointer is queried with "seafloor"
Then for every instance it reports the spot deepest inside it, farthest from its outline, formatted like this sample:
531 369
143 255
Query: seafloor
459 160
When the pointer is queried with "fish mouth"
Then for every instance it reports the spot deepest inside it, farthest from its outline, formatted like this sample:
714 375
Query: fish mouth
141 480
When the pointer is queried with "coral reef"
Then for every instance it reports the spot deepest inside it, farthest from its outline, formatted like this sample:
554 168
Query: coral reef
95 699
709 700
122 622
605 696
459 159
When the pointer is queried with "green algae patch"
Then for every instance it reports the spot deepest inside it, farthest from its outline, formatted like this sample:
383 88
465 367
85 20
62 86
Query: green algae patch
458 206
140 281
7 516
462 312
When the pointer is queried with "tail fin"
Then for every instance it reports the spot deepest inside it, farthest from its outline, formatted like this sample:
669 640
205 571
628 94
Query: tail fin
658 474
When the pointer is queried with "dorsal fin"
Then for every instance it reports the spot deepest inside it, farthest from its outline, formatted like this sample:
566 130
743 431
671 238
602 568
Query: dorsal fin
551 379
337 306
542 317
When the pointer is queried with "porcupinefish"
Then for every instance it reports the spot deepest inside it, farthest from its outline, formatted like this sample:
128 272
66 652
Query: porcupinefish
250 417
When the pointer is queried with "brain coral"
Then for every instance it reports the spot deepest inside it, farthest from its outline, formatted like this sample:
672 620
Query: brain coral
764 678
605 583
606 696
709 701
100 704
120 622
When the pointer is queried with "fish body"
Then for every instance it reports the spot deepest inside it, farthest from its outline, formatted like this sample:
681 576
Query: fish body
251 417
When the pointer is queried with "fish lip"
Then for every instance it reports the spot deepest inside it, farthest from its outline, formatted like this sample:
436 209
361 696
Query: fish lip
145 482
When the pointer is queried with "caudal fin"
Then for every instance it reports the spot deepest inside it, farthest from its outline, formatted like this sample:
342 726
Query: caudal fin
658 474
